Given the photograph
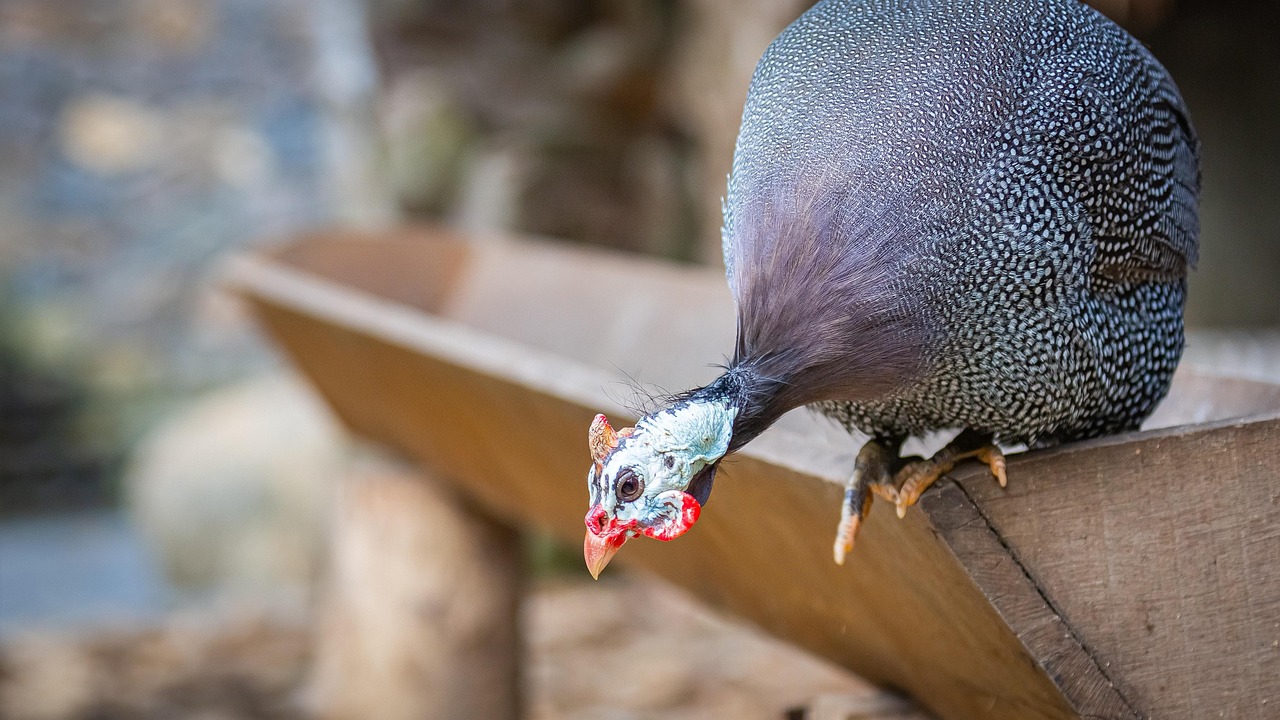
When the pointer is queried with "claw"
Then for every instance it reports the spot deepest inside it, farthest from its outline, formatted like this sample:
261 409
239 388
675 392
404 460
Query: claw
847 530
914 479
845 534
994 459
873 476
870 476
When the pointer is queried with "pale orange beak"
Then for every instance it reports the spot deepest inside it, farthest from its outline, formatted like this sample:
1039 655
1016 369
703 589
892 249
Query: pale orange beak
598 551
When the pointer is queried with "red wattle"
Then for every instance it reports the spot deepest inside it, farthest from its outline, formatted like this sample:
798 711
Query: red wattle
689 512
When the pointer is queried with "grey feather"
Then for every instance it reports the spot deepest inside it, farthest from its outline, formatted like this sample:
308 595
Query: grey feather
961 214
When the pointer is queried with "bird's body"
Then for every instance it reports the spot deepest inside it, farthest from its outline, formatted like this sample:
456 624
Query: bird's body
1009 166
954 214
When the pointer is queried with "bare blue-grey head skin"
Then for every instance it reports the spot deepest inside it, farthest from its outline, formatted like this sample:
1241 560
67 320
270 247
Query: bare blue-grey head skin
950 214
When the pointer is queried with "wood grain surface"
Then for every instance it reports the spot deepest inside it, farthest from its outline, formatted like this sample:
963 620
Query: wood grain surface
1162 553
492 377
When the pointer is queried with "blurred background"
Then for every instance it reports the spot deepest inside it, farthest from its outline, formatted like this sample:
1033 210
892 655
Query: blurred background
167 485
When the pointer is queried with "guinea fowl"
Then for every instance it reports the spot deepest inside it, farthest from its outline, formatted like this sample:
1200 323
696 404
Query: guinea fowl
941 215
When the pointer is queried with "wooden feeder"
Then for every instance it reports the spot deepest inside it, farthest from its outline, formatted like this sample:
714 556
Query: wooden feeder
1127 577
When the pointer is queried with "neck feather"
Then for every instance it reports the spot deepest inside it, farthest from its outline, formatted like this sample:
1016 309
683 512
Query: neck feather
756 401
829 288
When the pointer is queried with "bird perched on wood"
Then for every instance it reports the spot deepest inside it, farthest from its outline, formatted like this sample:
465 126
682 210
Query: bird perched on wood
942 214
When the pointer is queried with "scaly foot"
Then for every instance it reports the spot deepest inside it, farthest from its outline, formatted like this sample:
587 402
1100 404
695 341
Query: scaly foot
872 473
916 477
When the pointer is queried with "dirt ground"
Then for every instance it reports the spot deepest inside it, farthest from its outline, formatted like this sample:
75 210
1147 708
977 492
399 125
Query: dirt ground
592 653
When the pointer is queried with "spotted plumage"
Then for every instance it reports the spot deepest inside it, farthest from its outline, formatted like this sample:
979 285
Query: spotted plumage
1032 171
968 214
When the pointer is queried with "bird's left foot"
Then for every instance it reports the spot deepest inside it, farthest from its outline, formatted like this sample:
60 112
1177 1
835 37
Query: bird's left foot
872 474
916 477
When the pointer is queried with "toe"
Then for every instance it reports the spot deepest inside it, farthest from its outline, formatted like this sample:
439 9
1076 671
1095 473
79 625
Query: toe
994 458
845 534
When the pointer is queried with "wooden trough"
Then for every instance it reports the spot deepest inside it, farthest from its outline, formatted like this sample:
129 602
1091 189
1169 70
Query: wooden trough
1129 577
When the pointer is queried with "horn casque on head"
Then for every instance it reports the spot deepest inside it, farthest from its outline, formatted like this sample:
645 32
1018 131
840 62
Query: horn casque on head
602 439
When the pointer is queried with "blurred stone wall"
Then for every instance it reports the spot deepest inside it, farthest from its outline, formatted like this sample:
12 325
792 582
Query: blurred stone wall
141 141
543 116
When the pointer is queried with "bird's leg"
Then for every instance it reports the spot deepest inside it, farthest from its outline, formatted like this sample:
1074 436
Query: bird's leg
872 472
916 477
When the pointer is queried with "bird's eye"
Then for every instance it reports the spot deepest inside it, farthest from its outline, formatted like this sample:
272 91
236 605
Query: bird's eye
629 485
670 461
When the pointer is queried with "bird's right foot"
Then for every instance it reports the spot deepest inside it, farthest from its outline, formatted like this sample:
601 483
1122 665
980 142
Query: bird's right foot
916 477
879 470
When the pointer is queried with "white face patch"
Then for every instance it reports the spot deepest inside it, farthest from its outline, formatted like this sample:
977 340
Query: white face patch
666 450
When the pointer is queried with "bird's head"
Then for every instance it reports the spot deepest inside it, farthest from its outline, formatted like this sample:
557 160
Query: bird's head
652 479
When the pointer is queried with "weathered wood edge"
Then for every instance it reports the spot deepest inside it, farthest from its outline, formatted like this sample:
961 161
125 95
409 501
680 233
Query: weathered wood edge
1063 650
1022 603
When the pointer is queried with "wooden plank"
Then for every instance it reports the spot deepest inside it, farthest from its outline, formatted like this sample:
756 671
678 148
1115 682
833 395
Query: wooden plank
903 613
941 605
1160 551
1023 605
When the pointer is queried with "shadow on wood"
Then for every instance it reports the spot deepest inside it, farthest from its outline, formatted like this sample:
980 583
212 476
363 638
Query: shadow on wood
1127 577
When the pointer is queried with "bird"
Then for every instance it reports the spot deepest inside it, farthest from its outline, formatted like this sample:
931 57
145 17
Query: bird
941 215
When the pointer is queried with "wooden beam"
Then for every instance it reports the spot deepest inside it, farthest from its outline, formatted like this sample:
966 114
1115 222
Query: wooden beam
491 376
1159 552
